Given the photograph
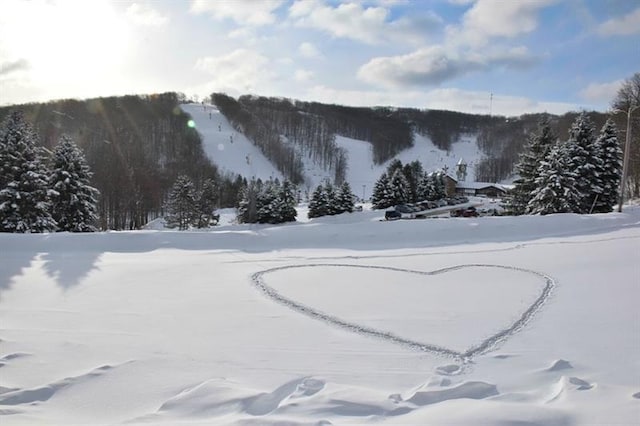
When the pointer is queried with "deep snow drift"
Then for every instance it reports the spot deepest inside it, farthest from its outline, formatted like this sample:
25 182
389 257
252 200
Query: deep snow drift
339 320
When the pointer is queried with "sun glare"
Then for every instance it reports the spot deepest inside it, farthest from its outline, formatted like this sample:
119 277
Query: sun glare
71 47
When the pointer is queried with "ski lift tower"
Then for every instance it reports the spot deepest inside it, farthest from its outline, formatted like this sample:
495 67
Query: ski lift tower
461 170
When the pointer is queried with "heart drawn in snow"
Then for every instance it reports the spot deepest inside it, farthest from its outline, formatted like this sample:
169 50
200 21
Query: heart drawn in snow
463 291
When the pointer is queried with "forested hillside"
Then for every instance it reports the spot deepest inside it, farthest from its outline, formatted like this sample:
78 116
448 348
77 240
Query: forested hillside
310 129
135 146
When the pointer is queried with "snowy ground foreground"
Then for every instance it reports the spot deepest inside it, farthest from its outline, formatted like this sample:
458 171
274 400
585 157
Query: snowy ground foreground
338 320
244 158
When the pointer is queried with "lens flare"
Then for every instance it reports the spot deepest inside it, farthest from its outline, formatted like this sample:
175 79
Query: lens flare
191 124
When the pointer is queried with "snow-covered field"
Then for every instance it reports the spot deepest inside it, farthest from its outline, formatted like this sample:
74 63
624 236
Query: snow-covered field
339 320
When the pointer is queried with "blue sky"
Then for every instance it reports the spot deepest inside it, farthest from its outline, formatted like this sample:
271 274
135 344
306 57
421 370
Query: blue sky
533 56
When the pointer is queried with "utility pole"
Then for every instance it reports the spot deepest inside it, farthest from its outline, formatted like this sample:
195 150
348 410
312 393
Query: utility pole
627 152
490 104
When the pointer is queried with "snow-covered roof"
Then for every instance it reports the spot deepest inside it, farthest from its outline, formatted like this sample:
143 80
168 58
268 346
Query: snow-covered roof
481 185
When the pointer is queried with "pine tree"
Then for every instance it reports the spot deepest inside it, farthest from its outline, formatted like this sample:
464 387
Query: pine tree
439 188
381 196
207 201
73 202
413 173
583 160
287 202
428 187
608 150
345 198
332 198
536 150
182 205
424 187
318 203
399 188
24 189
393 166
268 209
555 185
247 210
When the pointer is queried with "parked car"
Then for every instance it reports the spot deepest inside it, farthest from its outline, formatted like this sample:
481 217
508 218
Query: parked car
466 212
392 215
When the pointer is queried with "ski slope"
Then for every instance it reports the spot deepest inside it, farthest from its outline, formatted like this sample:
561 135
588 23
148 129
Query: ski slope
525 320
362 173
228 149
242 157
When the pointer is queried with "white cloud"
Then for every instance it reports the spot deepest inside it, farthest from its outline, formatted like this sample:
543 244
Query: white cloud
434 65
601 92
303 75
365 24
348 20
145 15
461 2
10 67
625 25
243 12
241 69
431 65
496 18
308 50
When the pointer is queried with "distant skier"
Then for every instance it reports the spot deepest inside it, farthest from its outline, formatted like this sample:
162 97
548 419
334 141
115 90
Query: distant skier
231 138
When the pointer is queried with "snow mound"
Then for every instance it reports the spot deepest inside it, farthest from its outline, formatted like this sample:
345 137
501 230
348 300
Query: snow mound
566 385
467 390
560 364
44 393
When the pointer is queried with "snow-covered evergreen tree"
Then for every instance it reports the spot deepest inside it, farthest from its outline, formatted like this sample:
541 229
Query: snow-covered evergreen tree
428 187
207 201
394 166
381 196
413 172
345 198
583 161
399 188
248 203
73 202
439 188
423 191
287 202
182 206
555 190
24 187
332 198
318 203
268 209
608 150
536 150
